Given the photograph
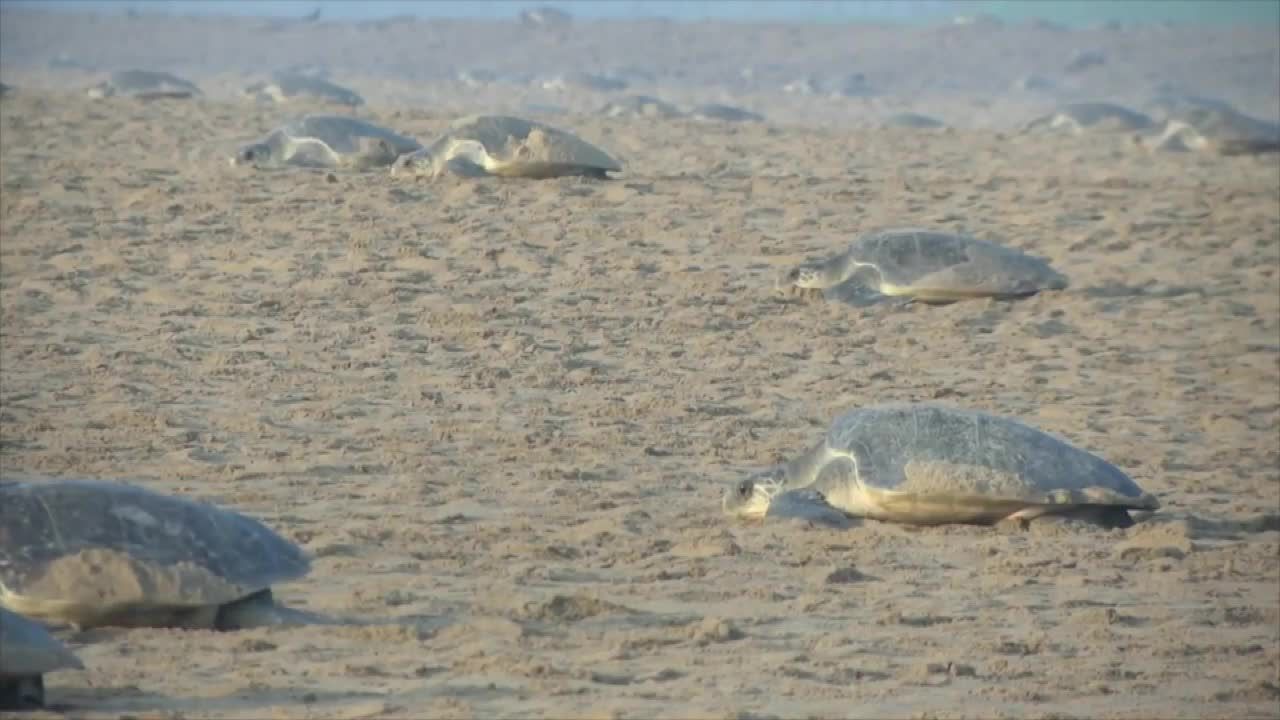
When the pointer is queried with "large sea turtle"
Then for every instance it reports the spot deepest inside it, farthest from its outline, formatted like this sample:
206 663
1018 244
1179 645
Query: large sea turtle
287 86
930 266
144 85
509 147
94 553
928 464
1213 128
27 652
330 141
1090 116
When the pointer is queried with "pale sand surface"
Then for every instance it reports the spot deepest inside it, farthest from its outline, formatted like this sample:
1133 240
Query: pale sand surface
501 414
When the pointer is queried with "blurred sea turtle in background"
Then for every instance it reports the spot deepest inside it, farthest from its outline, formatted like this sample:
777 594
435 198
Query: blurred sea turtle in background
851 85
1170 105
93 553
584 81
633 106
27 652
929 266
912 121
476 77
285 86
277 24
1212 128
982 21
926 464
315 70
327 141
5 89
716 112
1094 116
545 17
1083 60
144 85
1034 83
507 146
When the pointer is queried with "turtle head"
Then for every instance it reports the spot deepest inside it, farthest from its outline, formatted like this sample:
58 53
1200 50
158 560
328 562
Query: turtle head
459 156
750 496
251 154
413 164
807 275
103 89
264 92
374 152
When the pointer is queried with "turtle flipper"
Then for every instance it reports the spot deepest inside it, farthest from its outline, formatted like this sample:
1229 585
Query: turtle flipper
261 610
309 152
807 506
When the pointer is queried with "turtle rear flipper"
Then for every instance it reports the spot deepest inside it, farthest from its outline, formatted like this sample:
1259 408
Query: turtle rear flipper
261 610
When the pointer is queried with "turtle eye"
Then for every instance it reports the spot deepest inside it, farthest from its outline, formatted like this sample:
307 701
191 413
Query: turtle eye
745 488
247 155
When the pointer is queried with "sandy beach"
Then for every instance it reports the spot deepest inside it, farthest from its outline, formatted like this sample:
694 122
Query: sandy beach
500 413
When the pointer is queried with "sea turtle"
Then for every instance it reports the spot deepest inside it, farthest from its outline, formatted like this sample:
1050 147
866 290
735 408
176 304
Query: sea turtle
634 106
715 112
286 86
277 24
584 81
27 652
927 464
1034 83
509 147
330 141
94 553
1083 60
144 85
1170 104
545 17
930 266
912 121
1219 129
476 77
1097 116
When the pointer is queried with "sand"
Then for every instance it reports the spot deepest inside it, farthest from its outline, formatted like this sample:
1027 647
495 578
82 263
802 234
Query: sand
500 413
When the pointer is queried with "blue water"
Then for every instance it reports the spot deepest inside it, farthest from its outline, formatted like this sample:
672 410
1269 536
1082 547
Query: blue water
1076 12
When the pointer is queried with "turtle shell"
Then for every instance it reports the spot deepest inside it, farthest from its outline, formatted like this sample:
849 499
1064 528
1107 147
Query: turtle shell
29 649
927 449
75 550
944 265
516 140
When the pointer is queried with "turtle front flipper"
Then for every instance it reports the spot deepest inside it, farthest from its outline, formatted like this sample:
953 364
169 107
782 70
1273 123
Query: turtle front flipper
260 610
807 506
854 293
310 152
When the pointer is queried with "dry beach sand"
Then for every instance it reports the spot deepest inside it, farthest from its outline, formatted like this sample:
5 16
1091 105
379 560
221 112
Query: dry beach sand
501 413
